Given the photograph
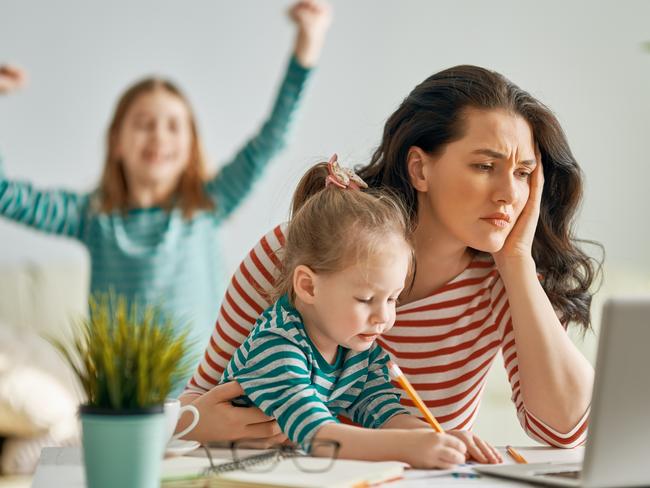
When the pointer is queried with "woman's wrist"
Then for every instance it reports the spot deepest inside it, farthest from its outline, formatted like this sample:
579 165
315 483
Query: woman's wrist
516 267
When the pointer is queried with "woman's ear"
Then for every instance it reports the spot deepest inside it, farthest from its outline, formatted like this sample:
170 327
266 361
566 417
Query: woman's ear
415 163
303 283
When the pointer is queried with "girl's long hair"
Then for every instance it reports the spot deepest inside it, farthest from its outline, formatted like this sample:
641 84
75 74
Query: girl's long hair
432 116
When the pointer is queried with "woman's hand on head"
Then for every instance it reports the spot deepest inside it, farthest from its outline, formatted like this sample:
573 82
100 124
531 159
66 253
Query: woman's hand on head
519 243
477 449
11 78
220 421
312 18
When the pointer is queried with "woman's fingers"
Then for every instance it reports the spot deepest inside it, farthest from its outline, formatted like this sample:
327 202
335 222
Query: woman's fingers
227 392
264 430
251 415
224 392
536 187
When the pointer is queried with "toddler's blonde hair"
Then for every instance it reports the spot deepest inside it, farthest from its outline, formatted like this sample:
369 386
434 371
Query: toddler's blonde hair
333 228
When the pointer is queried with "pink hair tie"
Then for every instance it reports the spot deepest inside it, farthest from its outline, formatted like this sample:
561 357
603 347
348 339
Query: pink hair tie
342 177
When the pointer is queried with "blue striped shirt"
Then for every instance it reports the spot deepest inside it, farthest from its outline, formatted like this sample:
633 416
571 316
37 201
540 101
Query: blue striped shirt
283 374
156 256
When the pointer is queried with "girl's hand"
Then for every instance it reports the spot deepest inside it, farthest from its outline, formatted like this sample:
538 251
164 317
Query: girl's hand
519 243
11 78
220 421
427 449
313 18
477 449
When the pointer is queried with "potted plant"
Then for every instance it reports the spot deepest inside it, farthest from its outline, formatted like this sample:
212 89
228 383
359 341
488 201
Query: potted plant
127 361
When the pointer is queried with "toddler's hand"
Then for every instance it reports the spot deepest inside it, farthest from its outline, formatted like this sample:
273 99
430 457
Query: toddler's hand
426 449
11 78
477 449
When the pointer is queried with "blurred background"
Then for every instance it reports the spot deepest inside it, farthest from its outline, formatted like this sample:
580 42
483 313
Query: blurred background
586 60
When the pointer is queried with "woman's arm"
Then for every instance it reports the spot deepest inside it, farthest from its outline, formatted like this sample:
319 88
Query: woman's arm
555 378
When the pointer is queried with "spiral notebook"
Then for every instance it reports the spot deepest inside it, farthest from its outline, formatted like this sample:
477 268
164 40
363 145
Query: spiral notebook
186 472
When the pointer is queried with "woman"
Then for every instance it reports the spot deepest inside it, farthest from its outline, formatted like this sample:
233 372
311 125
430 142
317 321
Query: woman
492 189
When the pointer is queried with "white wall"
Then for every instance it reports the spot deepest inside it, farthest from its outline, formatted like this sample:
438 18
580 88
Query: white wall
583 59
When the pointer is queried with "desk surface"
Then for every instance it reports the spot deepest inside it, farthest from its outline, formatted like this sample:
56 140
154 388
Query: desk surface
61 467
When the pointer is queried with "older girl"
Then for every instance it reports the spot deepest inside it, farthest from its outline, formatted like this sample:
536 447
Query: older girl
151 227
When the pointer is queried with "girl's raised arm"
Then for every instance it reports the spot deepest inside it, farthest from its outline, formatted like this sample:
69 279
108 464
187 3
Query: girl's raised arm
235 180
11 78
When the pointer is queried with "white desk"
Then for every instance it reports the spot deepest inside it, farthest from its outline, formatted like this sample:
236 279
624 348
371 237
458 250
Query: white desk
61 467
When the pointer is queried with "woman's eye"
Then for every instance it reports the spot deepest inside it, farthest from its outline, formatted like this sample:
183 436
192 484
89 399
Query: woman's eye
524 175
392 299
483 166
363 300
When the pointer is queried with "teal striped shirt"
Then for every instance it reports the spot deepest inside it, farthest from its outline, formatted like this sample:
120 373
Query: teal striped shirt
283 374
155 256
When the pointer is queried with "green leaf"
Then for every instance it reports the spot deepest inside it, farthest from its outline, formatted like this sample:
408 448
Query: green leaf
126 357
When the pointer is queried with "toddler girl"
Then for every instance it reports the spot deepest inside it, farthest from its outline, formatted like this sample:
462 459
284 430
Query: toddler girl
312 355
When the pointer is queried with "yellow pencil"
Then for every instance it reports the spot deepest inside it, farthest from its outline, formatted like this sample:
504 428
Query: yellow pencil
396 374
519 459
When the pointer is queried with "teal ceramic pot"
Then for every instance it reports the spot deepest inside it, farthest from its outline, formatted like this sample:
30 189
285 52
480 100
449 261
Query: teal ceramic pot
123 448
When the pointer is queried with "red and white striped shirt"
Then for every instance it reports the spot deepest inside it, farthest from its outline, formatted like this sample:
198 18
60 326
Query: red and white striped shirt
444 343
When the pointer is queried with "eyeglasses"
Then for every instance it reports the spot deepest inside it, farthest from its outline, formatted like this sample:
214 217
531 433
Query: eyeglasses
253 456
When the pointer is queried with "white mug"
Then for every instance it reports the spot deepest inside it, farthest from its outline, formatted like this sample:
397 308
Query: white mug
173 412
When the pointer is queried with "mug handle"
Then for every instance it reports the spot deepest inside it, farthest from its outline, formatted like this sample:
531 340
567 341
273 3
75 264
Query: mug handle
195 420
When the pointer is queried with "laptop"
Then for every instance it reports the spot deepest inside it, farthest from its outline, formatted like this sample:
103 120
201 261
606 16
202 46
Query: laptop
617 452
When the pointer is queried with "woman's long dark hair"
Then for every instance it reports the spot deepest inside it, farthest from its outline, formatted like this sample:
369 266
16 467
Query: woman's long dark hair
431 117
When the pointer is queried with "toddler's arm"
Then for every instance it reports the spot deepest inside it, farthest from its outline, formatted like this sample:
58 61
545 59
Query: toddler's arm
421 448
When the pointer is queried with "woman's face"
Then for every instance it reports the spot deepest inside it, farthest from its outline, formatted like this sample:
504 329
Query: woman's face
474 192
